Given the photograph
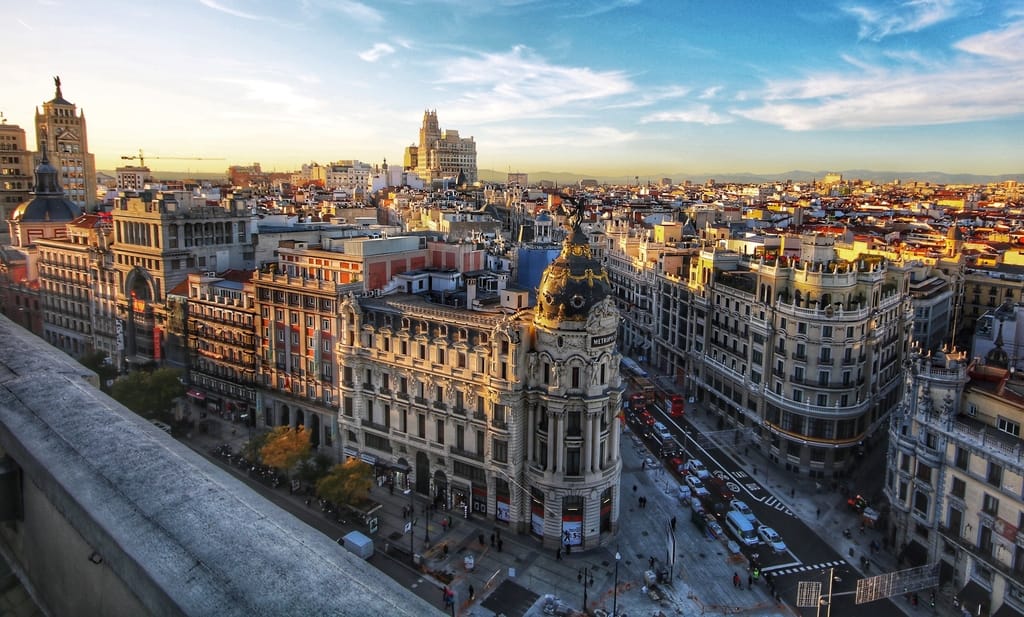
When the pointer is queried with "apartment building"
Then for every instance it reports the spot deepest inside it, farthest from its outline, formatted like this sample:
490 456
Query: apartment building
955 478
15 170
441 154
504 412
222 342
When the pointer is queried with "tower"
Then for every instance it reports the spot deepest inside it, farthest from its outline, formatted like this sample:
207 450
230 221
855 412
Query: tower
61 127
575 395
16 169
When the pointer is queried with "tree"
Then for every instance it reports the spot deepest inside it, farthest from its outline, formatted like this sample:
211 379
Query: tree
99 363
253 448
286 446
311 470
149 394
347 483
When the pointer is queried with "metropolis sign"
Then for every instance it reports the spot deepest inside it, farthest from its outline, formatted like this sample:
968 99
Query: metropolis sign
601 341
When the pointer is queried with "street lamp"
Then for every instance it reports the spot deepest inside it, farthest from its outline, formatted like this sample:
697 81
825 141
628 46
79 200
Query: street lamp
426 523
412 520
585 577
615 588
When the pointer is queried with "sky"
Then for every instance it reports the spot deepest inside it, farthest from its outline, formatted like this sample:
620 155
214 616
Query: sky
594 87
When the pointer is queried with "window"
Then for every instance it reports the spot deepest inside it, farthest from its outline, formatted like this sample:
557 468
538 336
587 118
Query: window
572 462
905 462
439 431
924 473
959 488
826 331
995 475
421 426
990 505
1008 426
801 327
963 458
575 377
499 450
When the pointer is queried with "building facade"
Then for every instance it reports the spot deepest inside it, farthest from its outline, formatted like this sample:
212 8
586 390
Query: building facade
61 127
441 154
15 170
955 479
509 414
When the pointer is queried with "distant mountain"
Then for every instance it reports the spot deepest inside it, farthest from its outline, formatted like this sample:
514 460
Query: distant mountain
563 178
213 177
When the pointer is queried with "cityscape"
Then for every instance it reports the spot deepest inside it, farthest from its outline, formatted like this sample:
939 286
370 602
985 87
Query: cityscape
658 396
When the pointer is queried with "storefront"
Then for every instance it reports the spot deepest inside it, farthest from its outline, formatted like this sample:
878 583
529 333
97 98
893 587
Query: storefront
537 512
479 499
572 520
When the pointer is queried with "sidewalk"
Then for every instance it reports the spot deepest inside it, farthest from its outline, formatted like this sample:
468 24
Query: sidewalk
515 580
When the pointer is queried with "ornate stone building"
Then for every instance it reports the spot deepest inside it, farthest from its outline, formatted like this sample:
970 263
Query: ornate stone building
441 154
510 414
15 170
61 127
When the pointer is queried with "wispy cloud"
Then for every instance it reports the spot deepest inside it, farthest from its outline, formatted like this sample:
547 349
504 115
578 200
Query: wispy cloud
517 84
25 25
710 93
986 82
598 7
357 11
378 51
217 6
695 114
279 97
651 96
878 22
570 137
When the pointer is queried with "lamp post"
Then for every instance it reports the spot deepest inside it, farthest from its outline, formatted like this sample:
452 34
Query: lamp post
585 577
426 523
412 519
615 588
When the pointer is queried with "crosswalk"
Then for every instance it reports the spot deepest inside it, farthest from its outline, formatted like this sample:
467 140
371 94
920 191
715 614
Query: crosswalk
796 567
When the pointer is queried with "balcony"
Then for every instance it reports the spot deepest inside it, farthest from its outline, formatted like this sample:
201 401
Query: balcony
465 453
826 361
800 356
370 424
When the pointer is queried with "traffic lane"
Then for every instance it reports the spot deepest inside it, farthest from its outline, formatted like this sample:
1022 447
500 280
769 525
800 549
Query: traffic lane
803 544
393 564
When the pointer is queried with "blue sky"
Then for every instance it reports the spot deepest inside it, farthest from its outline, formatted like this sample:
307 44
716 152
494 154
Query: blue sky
611 87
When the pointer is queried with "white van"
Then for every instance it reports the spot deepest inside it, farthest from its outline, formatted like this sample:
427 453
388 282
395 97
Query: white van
741 529
358 543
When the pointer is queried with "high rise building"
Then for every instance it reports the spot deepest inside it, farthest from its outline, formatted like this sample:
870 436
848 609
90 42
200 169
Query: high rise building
61 126
442 154
15 170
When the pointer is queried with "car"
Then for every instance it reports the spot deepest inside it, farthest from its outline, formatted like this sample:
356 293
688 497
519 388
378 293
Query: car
741 506
696 467
697 486
720 487
647 418
684 493
662 431
772 538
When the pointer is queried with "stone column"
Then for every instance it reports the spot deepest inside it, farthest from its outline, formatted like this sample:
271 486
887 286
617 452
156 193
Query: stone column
531 435
552 431
588 441
560 445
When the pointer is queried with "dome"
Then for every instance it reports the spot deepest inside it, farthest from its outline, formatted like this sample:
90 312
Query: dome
48 204
574 282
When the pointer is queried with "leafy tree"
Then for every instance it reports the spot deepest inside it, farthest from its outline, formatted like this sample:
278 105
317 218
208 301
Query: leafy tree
286 446
311 470
253 448
347 483
149 394
97 362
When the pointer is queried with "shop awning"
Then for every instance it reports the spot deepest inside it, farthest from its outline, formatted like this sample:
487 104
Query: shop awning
400 466
974 598
350 452
196 394
368 458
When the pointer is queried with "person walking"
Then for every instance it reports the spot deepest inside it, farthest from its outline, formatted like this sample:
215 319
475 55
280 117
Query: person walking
735 579
472 593
558 554
673 523
500 542
750 580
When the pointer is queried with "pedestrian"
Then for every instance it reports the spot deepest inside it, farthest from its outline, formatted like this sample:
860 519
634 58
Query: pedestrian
634 489
735 579
640 502
445 549
558 554
492 539
568 549
481 538
500 542
817 513
391 488
472 593
673 523
792 493
651 561
444 525
750 580
444 596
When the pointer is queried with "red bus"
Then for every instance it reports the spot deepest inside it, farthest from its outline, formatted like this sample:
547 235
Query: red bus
674 405
637 403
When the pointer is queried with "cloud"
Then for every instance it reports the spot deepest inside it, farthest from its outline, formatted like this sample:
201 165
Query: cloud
695 114
517 84
878 22
569 137
212 4
1006 44
710 93
377 52
650 96
278 96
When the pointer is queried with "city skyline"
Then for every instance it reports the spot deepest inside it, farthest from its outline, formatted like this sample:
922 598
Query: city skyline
629 87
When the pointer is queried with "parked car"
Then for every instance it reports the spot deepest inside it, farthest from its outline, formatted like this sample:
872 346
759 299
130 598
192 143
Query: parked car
696 467
685 493
771 537
697 486
720 487
742 507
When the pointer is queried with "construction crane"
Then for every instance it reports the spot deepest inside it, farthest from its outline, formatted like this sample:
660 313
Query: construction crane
142 159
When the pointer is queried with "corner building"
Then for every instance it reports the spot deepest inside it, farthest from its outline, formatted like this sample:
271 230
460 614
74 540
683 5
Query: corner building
510 414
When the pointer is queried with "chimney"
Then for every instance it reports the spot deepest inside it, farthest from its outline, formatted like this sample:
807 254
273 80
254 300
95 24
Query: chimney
470 292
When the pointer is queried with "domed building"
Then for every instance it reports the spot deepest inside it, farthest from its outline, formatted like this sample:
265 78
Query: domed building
46 214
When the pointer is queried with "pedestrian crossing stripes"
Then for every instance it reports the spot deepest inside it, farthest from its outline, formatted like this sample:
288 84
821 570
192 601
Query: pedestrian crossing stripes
791 568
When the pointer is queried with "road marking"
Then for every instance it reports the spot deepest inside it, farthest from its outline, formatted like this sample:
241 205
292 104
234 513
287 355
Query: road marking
797 567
